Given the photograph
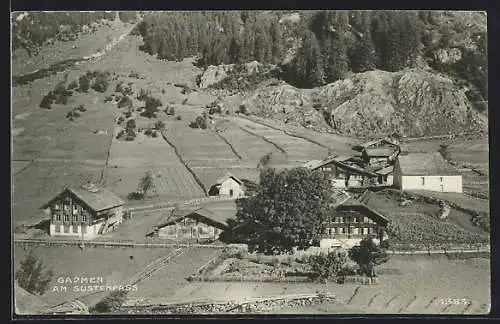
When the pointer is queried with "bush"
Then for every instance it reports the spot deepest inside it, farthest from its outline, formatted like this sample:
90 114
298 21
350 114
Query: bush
242 109
126 102
84 82
127 114
148 132
135 195
120 134
131 124
31 275
81 108
101 82
110 303
199 122
178 117
130 134
47 101
159 125
108 99
327 266
154 134
120 120
133 75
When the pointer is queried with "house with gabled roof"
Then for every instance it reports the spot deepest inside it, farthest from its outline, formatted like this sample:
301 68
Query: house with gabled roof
426 171
345 171
350 222
228 185
85 211
197 223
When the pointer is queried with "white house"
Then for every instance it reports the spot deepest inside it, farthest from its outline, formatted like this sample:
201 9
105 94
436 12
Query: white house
228 185
426 171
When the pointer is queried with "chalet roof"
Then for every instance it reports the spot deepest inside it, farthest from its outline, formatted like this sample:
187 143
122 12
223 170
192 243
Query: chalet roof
355 205
425 164
215 216
339 196
373 142
96 198
379 152
26 303
313 164
226 177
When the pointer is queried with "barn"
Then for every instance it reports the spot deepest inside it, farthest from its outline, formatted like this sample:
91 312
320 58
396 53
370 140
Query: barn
229 186
426 171
85 212
197 224
351 222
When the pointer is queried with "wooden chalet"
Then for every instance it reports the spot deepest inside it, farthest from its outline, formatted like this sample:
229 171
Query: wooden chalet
351 222
85 212
198 224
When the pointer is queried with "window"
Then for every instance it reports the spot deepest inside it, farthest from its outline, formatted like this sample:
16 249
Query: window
231 192
58 217
423 181
57 207
84 218
341 219
340 230
75 209
355 230
66 207
58 228
365 230
75 229
355 219
66 218
441 179
75 218
366 219
66 228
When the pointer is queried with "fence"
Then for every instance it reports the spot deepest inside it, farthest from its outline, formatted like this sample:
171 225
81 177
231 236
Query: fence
170 204
124 244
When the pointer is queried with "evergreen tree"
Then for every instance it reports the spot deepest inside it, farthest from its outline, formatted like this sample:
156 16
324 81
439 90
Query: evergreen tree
307 66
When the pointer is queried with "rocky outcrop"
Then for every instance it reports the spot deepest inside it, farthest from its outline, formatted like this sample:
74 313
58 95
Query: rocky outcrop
411 102
214 74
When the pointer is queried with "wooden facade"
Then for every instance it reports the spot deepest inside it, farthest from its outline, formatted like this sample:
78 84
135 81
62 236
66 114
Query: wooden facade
353 222
197 225
70 215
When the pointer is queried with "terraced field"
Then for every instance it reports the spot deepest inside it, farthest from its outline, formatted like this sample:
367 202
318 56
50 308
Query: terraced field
249 147
172 182
297 149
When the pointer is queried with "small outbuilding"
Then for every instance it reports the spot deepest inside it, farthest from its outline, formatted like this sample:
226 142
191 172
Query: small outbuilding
426 171
229 186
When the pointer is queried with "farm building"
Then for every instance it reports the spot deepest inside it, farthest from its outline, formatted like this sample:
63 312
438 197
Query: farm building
390 143
380 156
198 224
347 172
86 212
227 185
351 222
426 171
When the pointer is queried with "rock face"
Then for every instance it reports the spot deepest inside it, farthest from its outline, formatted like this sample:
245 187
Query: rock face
285 102
410 102
214 74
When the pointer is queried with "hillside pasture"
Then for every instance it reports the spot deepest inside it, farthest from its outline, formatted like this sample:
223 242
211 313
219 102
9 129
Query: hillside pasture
172 182
296 149
112 264
40 182
142 151
201 147
248 146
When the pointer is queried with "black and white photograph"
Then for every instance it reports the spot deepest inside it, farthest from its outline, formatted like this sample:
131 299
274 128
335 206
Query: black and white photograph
243 162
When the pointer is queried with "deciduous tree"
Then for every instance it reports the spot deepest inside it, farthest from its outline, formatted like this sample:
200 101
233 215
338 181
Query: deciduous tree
368 255
288 210
32 276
